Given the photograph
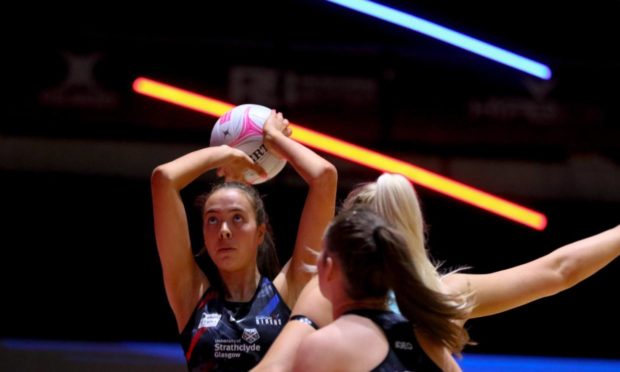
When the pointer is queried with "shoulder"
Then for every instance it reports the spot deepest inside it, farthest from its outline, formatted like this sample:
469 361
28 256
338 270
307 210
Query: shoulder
351 341
325 337
318 351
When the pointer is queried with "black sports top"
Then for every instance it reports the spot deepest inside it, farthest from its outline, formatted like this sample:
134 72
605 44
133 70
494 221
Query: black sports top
233 336
405 354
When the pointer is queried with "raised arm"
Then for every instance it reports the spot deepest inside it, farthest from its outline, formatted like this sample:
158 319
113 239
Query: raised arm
319 207
559 270
184 281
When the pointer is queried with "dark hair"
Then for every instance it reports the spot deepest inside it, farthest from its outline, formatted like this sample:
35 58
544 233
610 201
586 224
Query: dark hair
267 260
375 258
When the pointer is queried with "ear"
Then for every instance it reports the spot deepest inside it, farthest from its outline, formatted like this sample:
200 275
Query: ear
261 232
330 269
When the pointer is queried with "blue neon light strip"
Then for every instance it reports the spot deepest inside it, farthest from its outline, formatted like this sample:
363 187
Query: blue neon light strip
31 353
515 363
448 36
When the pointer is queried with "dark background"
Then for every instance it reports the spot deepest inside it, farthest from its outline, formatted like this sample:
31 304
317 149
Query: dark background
77 146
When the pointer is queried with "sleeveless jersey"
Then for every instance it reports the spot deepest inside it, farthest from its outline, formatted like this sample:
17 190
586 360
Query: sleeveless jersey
405 354
228 336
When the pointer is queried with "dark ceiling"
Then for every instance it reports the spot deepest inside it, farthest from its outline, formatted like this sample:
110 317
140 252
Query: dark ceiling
324 64
333 70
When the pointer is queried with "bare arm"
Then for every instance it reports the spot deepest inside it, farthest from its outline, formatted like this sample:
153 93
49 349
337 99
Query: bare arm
281 354
319 207
183 280
545 276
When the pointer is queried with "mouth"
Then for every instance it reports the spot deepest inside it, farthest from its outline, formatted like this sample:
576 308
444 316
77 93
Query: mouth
225 249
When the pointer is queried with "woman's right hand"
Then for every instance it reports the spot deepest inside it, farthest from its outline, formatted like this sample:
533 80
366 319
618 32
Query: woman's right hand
275 125
237 162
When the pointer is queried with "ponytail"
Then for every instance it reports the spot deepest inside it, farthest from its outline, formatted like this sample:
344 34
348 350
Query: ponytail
433 312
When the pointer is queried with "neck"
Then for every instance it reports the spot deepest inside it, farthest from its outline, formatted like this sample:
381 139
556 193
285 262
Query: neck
346 304
241 285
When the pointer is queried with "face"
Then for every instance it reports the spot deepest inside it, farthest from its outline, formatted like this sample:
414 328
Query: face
230 231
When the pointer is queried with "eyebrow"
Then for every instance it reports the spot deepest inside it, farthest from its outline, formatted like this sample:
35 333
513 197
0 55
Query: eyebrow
233 209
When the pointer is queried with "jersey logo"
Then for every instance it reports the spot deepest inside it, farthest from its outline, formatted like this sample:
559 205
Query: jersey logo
250 335
403 345
209 320
268 320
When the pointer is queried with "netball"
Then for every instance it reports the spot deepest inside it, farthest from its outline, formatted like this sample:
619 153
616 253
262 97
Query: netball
242 128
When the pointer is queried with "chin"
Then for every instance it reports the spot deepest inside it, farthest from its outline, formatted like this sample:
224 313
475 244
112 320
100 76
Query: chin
228 265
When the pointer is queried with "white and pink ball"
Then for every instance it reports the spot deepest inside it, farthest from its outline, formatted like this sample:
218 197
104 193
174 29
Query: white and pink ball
242 128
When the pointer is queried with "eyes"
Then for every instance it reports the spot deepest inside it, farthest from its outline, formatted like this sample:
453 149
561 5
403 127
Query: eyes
235 218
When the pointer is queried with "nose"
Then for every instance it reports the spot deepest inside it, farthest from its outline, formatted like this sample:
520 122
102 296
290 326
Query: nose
225 231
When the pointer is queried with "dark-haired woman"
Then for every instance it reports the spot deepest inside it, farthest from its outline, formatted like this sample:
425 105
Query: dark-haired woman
228 316
362 261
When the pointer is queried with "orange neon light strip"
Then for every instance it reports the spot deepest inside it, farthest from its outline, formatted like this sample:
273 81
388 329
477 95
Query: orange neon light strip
357 154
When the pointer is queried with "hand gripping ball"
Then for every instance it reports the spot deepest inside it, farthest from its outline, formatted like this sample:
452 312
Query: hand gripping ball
242 128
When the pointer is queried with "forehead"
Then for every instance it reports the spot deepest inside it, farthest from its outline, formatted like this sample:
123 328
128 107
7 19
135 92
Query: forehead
228 199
